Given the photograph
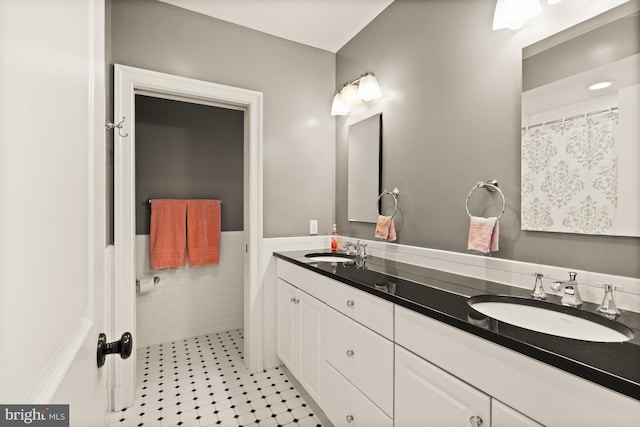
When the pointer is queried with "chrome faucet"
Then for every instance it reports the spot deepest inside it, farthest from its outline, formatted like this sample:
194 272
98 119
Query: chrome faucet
538 290
608 306
569 290
360 251
349 245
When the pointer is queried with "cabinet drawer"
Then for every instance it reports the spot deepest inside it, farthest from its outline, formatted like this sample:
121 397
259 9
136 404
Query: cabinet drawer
310 282
373 312
348 407
504 416
362 356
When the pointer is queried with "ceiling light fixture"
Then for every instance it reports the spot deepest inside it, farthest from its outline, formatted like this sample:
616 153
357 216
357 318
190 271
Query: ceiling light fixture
513 14
353 93
552 2
600 85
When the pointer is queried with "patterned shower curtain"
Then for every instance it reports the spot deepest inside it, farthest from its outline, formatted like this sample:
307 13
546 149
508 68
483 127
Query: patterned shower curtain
570 175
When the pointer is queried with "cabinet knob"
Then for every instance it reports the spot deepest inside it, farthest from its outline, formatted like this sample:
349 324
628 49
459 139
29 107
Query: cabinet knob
293 300
349 418
350 303
350 353
475 421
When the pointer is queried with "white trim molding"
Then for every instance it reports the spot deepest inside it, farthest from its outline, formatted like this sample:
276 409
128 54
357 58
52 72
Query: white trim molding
128 81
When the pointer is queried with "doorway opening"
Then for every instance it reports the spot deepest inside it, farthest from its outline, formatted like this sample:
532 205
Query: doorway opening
130 82
189 151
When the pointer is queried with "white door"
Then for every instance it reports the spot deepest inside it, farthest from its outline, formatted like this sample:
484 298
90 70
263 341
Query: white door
52 201
425 395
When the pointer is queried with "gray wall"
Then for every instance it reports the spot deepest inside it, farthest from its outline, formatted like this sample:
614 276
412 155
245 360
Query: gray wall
297 82
189 151
451 102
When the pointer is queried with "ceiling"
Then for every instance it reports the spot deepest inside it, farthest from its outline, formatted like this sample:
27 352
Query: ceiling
325 24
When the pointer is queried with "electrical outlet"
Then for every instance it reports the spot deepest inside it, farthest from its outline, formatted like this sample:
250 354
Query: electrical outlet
313 226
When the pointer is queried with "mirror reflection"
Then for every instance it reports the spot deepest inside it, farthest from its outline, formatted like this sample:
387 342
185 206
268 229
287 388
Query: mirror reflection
364 169
580 132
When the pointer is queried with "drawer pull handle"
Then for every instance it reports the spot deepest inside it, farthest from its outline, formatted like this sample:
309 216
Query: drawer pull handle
350 353
350 303
349 418
475 421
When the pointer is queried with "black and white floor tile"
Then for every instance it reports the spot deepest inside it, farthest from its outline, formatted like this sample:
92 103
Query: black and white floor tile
202 381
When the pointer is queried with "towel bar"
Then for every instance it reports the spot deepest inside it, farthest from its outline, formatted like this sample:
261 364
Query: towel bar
491 186
150 200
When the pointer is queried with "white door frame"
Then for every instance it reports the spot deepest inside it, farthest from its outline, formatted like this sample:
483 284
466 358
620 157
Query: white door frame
127 82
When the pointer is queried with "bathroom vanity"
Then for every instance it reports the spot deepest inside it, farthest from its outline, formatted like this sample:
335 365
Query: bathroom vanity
397 344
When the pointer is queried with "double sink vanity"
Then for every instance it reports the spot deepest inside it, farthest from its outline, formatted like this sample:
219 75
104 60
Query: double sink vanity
383 343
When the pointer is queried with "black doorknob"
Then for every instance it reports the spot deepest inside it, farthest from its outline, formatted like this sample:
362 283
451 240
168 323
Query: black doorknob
123 347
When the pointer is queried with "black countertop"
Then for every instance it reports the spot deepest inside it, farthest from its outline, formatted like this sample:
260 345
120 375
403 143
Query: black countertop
443 296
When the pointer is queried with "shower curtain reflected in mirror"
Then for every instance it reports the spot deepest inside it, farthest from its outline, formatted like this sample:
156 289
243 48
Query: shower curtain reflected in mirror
570 175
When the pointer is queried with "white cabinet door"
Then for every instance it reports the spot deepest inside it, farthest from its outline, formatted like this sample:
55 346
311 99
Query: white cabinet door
300 336
287 325
428 396
311 353
505 416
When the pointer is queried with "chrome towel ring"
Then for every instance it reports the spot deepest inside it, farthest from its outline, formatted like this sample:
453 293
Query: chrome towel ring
393 194
490 186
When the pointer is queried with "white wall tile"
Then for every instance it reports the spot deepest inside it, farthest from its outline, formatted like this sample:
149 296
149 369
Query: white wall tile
514 273
191 301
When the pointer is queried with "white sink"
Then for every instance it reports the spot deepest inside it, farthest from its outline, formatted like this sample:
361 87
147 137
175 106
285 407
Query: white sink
330 257
550 318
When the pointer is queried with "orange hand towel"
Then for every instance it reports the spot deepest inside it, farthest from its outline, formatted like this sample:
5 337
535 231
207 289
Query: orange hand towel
385 228
167 240
483 234
203 232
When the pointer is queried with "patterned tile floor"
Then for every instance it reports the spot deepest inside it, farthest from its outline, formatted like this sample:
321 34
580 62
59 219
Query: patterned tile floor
202 381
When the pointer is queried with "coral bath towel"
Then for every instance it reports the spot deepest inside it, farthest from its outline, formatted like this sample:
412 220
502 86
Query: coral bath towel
167 240
203 232
483 234
385 228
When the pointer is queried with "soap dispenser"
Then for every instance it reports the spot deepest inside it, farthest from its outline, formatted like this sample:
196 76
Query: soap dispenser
334 239
608 307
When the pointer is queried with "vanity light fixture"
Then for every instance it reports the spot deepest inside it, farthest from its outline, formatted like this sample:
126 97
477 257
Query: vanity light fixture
368 88
600 85
353 93
337 107
349 96
513 14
